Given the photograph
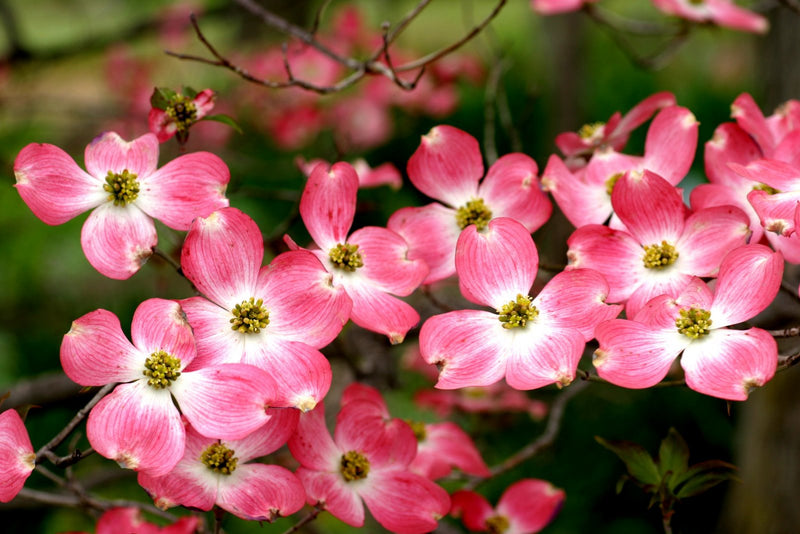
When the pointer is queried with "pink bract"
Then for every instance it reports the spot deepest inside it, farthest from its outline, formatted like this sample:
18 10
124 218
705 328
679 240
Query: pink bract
718 361
138 425
526 507
448 167
118 520
553 7
274 317
17 458
126 192
720 12
532 342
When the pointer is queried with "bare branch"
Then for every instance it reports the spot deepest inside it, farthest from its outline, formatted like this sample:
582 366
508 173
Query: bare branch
792 5
42 390
787 332
88 501
318 509
788 361
405 21
318 16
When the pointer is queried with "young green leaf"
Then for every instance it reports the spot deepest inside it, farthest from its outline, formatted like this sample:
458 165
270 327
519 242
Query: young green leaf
673 457
224 119
638 461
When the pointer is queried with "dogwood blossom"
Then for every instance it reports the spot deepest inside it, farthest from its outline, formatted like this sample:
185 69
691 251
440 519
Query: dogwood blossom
17 458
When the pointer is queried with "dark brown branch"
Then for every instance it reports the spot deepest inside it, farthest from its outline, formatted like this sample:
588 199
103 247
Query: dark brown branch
788 361
318 17
318 509
405 21
787 332
792 5
42 390
88 501
589 377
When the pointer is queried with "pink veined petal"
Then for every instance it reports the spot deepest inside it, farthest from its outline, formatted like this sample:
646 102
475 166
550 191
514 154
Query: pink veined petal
138 427
497 264
614 254
312 444
259 492
16 455
301 373
775 212
789 149
360 426
190 186
53 186
650 207
446 446
204 102
778 174
726 13
216 341
634 355
571 144
118 240
328 203
269 437
363 392
728 364
604 166
386 262
330 489
576 299
541 355
125 520
511 189
380 312
385 174
108 152
749 117
160 324
161 124
708 235
467 345
222 255
713 195
226 401
530 504
749 279
472 508
447 165
95 352
295 283
661 312
641 112
671 144
730 144
669 282
405 502
431 233
581 202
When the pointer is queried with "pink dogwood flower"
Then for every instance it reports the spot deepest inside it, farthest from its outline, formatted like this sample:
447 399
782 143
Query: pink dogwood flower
220 472
662 248
372 264
138 424
526 507
718 361
384 174
118 520
274 317
17 458
448 167
177 112
533 342
125 192
367 459
720 12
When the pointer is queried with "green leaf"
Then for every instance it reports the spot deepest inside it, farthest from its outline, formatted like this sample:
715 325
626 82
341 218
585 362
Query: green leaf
673 457
703 476
638 461
224 119
161 97
189 92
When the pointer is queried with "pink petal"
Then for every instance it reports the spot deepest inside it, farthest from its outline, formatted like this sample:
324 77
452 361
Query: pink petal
386 262
726 13
227 401
261 492
473 509
554 7
404 502
511 189
161 124
497 264
363 392
216 341
95 352
789 149
431 233
328 203
634 355
661 312
138 427
466 344
530 504
294 283
118 240
576 299
708 235
643 111
16 455
222 255
446 446
669 282
330 489
712 195
385 174
671 144
53 186
749 279
778 174
361 426
269 437
447 165
312 444
108 152
160 324
749 117
650 207
380 312
541 355
775 212
730 144
190 186
581 202
728 364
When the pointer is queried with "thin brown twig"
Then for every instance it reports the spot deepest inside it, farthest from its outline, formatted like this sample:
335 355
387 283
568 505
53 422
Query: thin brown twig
318 509
788 361
786 332
318 17
405 21
789 288
79 501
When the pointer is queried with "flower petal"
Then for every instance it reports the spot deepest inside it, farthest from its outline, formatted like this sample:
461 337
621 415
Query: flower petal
160 324
16 455
331 490
581 202
380 312
708 235
530 504
328 203
386 262
542 355
650 207
405 502
312 444
216 341
269 437
446 446
108 152
472 508
671 143
511 189
261 492
118 240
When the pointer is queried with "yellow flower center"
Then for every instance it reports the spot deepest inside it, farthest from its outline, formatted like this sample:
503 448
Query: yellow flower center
346 257
182 111
354 466
122 188
694 323
250 316
518 313
659 256
497 524
474 212
219 459
161 369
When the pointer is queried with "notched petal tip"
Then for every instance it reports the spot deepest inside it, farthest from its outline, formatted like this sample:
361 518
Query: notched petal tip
305 404
750 384
599 357
29 460
396 338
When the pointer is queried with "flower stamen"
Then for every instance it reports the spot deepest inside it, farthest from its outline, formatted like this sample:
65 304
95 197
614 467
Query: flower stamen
182 111
219 458
694 323
354 466
346 256
250 316
518 313
474 212
659 256
123 188
497 524
161 369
